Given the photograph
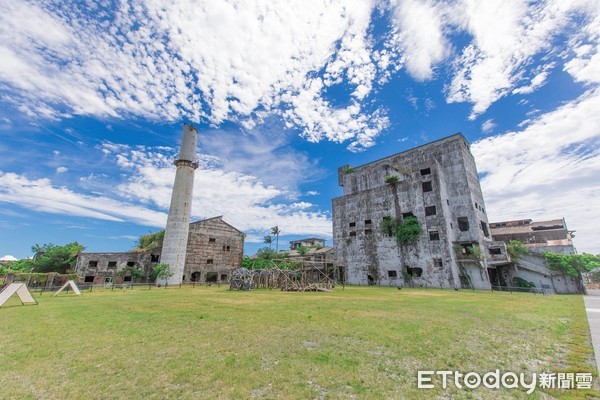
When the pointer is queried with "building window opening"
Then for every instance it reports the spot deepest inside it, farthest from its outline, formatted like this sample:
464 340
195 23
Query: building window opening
425 171
434 235
495 251
430 211
427 186
352 224
211 240
93 264
352 233
463 224
414 272
209 261
368 222
223 277
228 248
127 278
407 215
437 263
195 276
392 274
130 263
484 228
89 279
112 264
368 231
370 279
211 277
154 257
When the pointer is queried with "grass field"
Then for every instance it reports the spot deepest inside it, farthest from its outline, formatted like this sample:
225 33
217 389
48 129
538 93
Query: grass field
207 342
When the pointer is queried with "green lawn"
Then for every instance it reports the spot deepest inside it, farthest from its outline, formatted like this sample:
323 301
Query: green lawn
207 342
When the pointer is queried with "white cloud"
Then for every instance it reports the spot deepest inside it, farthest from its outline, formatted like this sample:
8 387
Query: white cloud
488 126
8 257
548 170
312 193
61 170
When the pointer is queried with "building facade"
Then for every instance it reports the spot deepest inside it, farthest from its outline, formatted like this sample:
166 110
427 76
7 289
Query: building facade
214 249
436 183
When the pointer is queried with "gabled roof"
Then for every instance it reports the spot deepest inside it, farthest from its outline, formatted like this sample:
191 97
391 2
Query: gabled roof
220 219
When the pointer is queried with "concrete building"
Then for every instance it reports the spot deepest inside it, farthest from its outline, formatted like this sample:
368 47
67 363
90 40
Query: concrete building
178 222
436 183
308 242
551 236
214 249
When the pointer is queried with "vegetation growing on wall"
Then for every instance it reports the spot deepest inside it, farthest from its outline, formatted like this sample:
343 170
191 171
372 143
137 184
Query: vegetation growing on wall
406 230
150 241
391 179
516 250
161 271
349 170
53 258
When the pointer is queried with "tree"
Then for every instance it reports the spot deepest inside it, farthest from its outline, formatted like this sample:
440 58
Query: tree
302 250
275 231
25 265
52 258
161 271
150 241
516 250
268 240
573 264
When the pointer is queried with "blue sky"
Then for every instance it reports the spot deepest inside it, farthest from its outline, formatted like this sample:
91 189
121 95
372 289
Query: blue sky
93 97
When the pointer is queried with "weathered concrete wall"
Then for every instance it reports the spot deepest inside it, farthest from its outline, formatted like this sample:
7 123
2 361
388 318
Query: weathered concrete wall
213 247
533 268
101 266
372 257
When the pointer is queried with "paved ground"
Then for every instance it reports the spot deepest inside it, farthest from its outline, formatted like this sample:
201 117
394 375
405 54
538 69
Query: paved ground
592 307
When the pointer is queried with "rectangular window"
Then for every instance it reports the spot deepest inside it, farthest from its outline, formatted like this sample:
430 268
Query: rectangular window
407 215
127 278
427 186
392 274
209 261
227 248
368 231
211 240
130 263
463 224
93 264
89 279
495 251
223 277
437 262
425 171
367 222
223 247
484 228
154 258
434 235
352 233
430 211
352 224
112 264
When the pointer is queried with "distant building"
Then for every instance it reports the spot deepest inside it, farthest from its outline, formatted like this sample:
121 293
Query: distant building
214 249
309 242
437 184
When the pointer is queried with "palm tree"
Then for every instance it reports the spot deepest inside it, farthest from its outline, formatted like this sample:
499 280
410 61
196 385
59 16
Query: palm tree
275 231
268 240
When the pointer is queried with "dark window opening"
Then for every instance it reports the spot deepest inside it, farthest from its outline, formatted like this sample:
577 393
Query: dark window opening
476 206
430 211
407 215
89 279
370 280
130 263
211 240
368 231
367 222
352 224
392 274
463 224
425 171
127 278
352 233
223 247
484 228
211 276
154 257
495 251
93 264
482 210
209 261
437 262
112 264
228 248
223 277
414 272
195 276
427 186
451 226
447 201
434 235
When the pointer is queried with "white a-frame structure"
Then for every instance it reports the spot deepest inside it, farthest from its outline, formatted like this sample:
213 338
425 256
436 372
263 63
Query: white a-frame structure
73 286
21 290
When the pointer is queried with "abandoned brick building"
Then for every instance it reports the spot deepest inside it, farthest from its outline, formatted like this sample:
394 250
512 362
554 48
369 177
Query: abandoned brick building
214 249
436 183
